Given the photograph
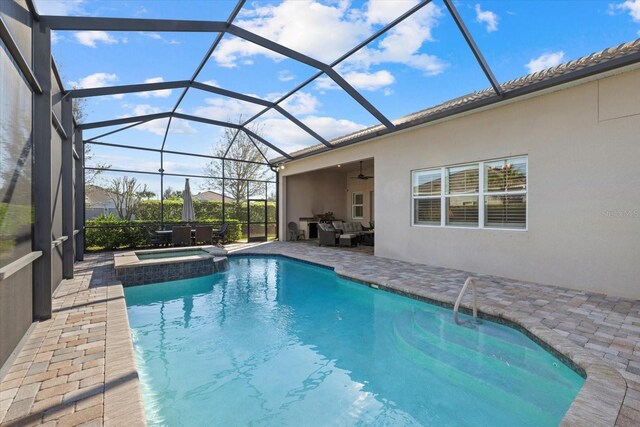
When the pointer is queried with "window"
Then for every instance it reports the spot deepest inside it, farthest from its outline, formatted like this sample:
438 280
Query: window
491 194
357 205
505 203
462 194
426 193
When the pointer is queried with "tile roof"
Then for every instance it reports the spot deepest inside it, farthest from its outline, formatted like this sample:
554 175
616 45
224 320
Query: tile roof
530 83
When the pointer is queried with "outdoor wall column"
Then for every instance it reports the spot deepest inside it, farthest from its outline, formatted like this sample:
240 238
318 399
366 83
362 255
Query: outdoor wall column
79 196
278 205
42 285
282 206
223 194
67 189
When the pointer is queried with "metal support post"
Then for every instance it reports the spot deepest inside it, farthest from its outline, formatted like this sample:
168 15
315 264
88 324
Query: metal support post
42 286
67 190
79 199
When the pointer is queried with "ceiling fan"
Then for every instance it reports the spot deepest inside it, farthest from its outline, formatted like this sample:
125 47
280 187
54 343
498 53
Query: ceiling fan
361 175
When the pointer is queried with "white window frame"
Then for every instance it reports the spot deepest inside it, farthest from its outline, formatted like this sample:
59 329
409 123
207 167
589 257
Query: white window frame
354 204
444 193
481 195
414 173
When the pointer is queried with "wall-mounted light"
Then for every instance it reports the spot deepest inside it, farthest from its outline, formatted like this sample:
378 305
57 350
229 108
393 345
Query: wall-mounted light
339 166
281 167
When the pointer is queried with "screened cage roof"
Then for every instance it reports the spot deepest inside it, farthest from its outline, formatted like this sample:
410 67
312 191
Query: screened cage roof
303 77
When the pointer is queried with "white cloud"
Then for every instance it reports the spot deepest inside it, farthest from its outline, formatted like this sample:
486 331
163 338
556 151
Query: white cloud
301 103
154 36
630 6
159 126
285 76
301 25
55 37
164 93
227 109
157 36
60 7
359 80
211 83
487 17
370 81
95 80
383 12
545 61
402 44
91 38
287 136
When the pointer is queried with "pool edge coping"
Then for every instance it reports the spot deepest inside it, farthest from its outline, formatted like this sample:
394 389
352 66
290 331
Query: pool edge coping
599 400
123 397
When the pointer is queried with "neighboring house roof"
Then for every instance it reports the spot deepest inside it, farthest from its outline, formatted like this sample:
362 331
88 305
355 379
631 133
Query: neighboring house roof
208 196
593 64
95 195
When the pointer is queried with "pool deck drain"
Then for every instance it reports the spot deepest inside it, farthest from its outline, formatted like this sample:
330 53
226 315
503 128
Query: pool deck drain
79 369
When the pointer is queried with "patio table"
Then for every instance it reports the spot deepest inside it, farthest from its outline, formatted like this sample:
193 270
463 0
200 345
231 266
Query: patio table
166 234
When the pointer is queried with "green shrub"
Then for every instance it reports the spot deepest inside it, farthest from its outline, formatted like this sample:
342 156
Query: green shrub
109 232
150 210
114 233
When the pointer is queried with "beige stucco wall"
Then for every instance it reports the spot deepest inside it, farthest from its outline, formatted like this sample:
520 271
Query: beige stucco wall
315 193
583 145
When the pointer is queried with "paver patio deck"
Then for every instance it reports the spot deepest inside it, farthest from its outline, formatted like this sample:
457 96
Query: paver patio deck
78 368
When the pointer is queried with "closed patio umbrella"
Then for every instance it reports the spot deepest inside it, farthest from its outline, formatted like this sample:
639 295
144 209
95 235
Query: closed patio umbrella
188 214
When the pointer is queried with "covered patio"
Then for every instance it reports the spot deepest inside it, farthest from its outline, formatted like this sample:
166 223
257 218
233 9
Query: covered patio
340 194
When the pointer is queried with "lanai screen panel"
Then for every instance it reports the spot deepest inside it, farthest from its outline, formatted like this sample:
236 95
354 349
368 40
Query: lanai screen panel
15 161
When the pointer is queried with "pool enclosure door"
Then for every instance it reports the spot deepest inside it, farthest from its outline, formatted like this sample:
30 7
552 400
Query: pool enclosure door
257 220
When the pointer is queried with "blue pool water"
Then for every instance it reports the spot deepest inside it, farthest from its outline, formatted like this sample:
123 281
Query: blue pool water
274 341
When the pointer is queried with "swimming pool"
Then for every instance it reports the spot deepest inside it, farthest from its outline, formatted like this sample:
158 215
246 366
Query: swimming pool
274 341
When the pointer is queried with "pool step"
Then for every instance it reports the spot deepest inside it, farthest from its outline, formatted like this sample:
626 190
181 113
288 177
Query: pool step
464 367
488 340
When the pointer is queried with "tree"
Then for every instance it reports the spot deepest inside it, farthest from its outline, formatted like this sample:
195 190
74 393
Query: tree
145 193
126 193
237 185
237 188
171 194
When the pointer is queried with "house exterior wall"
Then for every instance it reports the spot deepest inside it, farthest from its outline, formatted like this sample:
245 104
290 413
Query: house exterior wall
583 149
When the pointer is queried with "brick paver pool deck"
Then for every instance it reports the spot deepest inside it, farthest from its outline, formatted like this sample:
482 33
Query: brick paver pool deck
78 368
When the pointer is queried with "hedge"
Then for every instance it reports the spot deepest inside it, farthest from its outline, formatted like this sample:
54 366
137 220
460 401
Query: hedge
109 232
150 210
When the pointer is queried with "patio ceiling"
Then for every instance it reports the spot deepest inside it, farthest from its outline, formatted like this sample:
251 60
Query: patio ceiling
259 106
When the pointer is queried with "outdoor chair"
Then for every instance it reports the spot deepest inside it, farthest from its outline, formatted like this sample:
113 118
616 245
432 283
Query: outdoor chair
221 235
181 236
154 239
327 235
204 234
294 232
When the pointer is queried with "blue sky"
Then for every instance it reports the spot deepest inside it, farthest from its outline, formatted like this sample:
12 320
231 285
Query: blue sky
422 62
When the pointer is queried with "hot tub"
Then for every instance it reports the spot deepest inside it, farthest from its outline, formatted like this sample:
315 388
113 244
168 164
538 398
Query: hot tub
164 265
